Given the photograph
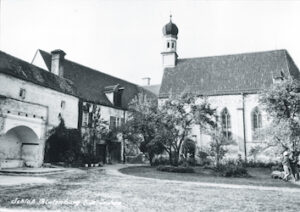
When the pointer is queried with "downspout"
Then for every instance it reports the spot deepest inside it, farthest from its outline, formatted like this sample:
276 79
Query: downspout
123 149
244 128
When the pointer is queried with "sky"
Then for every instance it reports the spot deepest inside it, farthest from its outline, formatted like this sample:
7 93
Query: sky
124 38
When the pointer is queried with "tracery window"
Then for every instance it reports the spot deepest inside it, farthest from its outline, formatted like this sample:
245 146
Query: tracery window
256 119
226 123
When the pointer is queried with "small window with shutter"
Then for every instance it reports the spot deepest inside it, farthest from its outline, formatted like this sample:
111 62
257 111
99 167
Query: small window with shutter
85 118
63 104
112 122
22 93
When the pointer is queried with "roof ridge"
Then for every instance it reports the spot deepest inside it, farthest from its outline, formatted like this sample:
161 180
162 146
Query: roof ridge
287 62
92 69
237 54
34 66
22 62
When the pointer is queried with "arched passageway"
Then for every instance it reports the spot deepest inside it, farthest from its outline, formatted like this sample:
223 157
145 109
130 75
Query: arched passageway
20 143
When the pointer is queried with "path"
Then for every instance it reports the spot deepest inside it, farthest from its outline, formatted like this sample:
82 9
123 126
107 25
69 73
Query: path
114 170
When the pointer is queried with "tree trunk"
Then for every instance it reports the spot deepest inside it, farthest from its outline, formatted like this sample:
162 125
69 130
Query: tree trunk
151 159
217 159
176 158
170 157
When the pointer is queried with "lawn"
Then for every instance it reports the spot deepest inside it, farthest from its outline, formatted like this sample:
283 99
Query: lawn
259 176
96 189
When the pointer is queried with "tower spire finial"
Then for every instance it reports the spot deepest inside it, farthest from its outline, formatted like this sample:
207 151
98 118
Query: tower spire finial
170 17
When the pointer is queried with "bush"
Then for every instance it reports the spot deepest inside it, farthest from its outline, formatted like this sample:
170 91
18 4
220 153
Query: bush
90 158
161 161
175 169
277 168
190 161
202 155
232 170
140 158
63 145
204 158
260 164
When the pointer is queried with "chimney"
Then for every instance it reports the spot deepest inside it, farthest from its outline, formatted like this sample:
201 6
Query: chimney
148 80
57 62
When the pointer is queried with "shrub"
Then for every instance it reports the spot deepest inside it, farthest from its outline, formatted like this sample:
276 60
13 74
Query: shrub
161 161
175 169
90 158
260 164
140 158
190 161
63 144
277 168
204 159
202 155
232 170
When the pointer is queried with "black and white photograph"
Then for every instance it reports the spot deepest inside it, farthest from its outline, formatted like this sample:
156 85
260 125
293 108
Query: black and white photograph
149 105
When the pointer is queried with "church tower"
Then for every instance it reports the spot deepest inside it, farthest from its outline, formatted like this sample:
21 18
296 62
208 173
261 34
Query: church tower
169 54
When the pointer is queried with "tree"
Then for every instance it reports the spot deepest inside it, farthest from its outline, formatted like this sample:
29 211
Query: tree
142 126
97 130
282 103
177 117
168 126
218 144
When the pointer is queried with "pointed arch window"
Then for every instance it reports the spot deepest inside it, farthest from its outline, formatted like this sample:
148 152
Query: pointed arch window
226 123
256 119
168 45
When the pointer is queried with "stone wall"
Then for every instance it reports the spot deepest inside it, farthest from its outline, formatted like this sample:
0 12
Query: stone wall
234 104
45 97
37 109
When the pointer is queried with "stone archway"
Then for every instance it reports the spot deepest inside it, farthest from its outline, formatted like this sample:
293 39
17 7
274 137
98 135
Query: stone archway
20 145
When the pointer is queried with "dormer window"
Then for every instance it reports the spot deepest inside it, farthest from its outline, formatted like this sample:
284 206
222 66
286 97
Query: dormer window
114 94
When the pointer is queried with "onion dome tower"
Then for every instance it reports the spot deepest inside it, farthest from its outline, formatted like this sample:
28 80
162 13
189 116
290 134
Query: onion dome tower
169 55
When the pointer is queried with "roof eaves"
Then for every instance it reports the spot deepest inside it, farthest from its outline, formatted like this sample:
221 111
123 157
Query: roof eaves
215 93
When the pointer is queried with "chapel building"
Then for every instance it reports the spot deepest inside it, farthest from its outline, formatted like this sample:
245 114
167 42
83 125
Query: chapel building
231 84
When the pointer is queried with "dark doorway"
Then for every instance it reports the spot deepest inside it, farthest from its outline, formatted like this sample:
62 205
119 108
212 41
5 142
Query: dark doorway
115 151
101 152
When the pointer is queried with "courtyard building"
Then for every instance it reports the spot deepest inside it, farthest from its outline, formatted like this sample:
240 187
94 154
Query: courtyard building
34 97
96 91
231 84
31 102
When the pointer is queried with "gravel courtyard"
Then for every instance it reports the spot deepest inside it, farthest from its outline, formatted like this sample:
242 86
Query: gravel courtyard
106 189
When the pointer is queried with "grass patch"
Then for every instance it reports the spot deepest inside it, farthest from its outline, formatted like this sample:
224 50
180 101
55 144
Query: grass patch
176 169
259 176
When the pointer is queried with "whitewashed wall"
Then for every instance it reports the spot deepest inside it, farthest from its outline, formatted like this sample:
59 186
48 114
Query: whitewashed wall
234 104
45 97
38 111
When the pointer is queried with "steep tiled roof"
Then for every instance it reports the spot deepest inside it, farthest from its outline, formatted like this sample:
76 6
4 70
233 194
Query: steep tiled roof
91 84
25 71
153 88
229 74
